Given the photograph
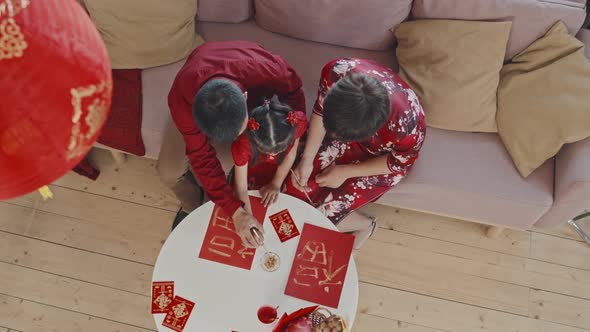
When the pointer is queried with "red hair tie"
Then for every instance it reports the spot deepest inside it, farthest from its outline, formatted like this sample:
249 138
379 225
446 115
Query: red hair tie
253 125
292 118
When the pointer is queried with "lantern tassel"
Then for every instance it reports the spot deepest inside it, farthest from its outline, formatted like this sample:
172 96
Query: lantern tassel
45 193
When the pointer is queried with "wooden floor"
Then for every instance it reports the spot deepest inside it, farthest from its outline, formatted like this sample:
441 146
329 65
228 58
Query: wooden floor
83 262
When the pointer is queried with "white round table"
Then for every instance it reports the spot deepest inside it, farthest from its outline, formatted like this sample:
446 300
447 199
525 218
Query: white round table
228 298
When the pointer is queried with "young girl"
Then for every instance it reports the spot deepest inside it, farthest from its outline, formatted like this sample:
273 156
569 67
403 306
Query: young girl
265 152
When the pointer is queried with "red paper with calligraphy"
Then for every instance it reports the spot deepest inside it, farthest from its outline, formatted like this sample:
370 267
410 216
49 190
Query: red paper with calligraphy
284 225
223 245
178 314
162 295
320 266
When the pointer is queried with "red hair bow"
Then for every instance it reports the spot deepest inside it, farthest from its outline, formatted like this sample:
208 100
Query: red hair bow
292 118
253 125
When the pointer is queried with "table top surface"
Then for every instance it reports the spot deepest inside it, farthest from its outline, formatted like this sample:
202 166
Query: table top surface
228 298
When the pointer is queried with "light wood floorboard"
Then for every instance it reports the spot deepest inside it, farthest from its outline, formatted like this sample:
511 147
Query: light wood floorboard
82 262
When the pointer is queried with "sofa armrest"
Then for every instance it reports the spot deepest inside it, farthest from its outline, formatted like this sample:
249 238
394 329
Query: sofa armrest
572 174
584 36
572 184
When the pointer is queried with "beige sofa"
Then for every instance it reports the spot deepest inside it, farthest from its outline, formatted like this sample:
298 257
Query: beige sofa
464 175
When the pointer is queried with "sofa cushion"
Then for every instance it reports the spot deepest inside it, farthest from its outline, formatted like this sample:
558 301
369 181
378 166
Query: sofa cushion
145 33
307 58
530 18
471 176
543 99
225 11
454 67
350 23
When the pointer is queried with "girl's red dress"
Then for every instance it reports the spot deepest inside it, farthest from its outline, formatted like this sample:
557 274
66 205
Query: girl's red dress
262 170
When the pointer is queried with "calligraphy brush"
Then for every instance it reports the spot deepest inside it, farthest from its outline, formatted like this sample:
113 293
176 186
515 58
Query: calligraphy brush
302 186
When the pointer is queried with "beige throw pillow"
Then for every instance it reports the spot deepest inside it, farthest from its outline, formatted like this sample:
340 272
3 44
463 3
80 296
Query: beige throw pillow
544 99
145 33
454 67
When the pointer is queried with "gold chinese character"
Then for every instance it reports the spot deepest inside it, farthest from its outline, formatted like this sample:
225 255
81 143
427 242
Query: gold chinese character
162 301
222 242
223 222
285 228
331 275
180 310
304 271
243 252
314 252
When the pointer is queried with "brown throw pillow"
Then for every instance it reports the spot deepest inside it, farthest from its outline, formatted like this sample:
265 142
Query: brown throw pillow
145 33
544 99
454 67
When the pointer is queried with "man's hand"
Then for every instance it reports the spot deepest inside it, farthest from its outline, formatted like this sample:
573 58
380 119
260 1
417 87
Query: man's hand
302 173
244 221
333 176
269 193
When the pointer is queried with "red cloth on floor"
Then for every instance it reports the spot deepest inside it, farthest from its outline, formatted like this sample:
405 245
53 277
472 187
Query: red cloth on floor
85 168
123 128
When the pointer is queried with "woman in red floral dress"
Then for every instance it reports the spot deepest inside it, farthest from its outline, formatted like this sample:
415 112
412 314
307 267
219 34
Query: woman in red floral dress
365 134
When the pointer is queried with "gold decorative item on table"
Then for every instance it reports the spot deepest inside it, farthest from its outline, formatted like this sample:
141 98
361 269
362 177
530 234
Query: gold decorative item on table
324 321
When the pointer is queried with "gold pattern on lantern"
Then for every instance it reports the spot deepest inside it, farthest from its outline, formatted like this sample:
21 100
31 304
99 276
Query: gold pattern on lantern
12 40
92 98
11 8
97 113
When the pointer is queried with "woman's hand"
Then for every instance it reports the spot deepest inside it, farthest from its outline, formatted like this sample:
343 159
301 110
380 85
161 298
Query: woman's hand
269 193
333 176
302 173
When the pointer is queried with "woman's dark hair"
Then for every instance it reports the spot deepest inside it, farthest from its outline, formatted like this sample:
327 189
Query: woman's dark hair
275 133
355 108
220 110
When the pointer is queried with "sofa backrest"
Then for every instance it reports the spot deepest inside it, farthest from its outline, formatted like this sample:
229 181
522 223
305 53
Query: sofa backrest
362 24
531 19
225 11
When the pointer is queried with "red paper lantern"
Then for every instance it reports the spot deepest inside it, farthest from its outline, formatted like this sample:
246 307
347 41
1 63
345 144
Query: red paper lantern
55 91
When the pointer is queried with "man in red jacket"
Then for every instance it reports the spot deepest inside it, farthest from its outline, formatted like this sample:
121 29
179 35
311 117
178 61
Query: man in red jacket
209 102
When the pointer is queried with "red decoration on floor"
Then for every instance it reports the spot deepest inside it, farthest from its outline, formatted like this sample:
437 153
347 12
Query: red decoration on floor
56 91
86 169
122 130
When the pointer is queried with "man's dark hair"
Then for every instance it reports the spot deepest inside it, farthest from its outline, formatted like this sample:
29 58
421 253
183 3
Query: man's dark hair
355 108
220 110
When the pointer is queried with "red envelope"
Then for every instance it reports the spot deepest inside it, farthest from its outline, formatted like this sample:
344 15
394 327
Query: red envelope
178 314
223 245
162 296
320 265
284 225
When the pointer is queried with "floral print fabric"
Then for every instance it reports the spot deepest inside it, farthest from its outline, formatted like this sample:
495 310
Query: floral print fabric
400 139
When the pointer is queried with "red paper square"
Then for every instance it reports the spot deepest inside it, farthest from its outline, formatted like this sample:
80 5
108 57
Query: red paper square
178 314
284 225
162 296
223 245
320 265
